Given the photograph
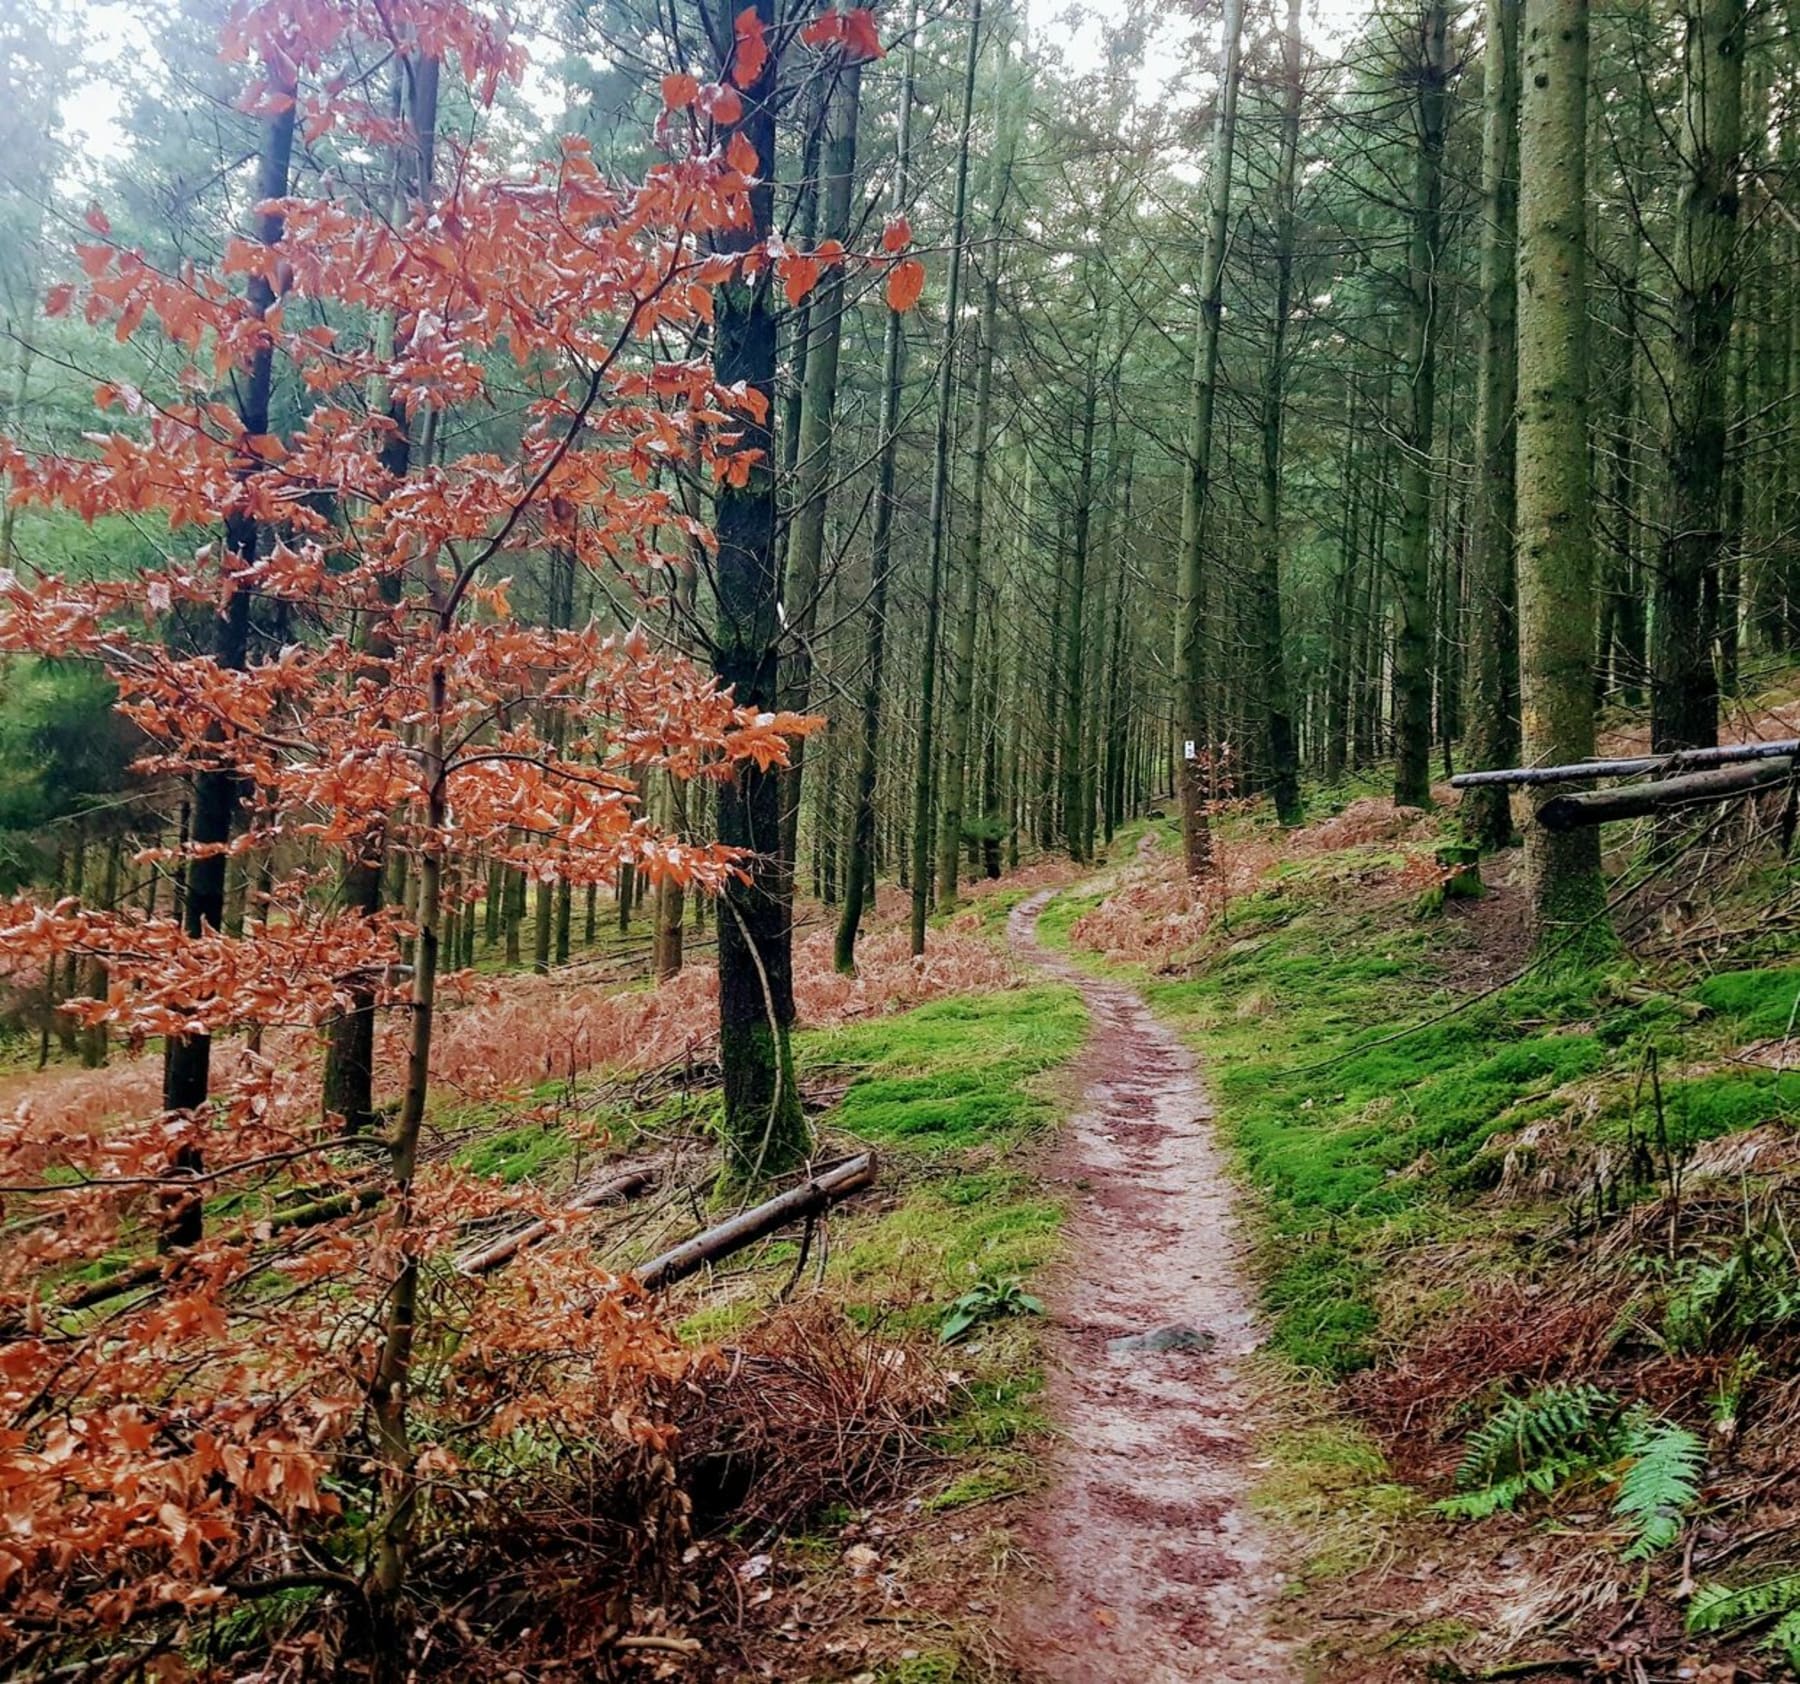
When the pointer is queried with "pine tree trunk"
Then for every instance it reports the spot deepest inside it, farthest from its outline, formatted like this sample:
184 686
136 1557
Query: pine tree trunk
1074 683
957 762
187 1064
1493 738
1556 593
764 1129
1684 691
924 764
859 867
349 1074
823 330
1190 610
1412 650
1277 700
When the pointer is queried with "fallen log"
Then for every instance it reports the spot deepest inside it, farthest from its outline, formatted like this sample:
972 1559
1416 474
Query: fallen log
1635 766
808 1199
508 1246
1636 801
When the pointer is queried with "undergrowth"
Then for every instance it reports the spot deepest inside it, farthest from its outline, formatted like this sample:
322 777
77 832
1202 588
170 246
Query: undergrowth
1502 1217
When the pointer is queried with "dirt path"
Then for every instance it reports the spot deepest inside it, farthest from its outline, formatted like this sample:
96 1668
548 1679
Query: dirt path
1156 1570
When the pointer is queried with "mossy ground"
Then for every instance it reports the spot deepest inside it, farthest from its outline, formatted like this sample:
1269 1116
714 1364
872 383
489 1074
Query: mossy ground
1372 1097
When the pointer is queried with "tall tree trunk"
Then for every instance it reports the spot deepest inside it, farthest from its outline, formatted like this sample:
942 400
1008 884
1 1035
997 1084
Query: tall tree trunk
1412 650
1190 605
1338 693
1684 691
1277 701
349 1075
824 330
187 1064
859 869
940 505
764 1128
1556 590
957 766
1493 736
1074 684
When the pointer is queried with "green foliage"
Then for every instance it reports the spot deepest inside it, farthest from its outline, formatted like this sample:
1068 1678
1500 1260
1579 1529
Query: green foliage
1555 1424
1753 1290
955 1072
1534 1445
1720 1608
62 749
1661 1482
988 1300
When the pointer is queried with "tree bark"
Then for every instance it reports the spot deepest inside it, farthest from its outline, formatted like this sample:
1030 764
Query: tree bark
940 504
1556 595
823 330
764 1128
1277 699
187 1065
859 868
1412 649
1684 690
1190 610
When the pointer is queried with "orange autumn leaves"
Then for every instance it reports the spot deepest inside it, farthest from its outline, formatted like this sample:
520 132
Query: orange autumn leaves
204 1427
853 33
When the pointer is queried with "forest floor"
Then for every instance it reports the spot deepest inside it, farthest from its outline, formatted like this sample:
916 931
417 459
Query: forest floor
1470 1246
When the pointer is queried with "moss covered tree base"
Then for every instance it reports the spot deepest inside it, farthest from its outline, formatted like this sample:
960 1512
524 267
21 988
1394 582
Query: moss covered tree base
765 1130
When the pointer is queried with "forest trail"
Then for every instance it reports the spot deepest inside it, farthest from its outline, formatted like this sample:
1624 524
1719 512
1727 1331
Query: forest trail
1155 1568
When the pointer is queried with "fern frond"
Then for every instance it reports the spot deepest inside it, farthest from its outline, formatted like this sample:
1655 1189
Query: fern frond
1715 1607
1786 1638
1660 1483
1505 1494
1554 1423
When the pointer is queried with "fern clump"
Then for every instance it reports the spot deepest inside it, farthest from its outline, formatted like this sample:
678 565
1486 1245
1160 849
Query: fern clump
1554 1424
1534 1445
1716 1608
1753 1290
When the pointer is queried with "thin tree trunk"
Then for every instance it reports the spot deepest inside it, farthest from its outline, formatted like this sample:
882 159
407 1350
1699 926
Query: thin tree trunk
1277 701
1412 650
823 331
940 504
1684 690
187 1066
1493 739
957 763
764 1129
1190 610
859 869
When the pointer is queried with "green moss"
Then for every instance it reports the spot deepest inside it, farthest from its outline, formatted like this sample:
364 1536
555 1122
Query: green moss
1708 1106
953 1074
521 1154
1759 1003
1005 1476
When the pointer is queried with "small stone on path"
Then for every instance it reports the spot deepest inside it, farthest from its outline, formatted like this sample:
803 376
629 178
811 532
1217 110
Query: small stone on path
1176 1336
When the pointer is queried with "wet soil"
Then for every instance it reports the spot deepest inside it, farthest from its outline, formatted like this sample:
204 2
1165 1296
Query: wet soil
1154 1568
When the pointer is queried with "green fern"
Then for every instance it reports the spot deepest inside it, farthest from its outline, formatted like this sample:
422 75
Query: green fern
1750 1291
1552 1424
1661 1480
1533 1445
1721 1608
1506 1493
